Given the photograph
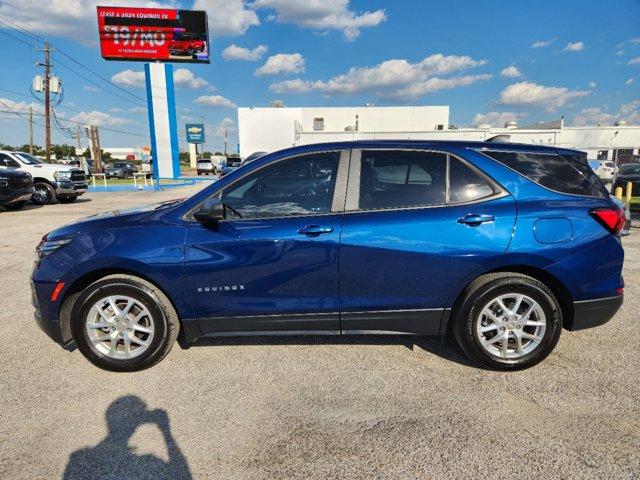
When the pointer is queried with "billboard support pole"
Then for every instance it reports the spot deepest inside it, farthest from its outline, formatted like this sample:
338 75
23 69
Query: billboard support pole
163 126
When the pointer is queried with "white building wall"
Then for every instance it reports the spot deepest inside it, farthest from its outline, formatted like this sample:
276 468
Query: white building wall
270 129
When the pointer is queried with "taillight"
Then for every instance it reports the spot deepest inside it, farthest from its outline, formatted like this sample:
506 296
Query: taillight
613 219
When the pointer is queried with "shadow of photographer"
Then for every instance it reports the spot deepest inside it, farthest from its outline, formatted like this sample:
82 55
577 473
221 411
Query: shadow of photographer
114 458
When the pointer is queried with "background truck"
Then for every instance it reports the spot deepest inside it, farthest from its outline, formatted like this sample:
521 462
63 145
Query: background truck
50 181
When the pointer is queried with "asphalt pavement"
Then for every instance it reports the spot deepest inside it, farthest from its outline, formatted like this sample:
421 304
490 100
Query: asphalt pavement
311 407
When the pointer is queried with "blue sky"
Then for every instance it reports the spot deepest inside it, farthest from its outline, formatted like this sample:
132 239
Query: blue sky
490 61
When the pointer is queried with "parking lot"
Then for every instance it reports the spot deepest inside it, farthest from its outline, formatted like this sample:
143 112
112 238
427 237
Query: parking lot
308 407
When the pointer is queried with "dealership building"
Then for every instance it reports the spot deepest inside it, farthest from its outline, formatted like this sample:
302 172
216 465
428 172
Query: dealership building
274 128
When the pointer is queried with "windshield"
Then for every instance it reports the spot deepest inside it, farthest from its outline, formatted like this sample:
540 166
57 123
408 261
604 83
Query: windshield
28 159
630 169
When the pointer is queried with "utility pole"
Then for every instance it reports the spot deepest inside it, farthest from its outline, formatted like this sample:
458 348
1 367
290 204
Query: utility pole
82 162
30 130
47 99
225 142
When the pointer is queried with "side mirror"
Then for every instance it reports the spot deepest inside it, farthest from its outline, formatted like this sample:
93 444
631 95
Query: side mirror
211 211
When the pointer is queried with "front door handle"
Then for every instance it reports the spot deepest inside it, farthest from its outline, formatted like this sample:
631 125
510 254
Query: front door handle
314 230
474 220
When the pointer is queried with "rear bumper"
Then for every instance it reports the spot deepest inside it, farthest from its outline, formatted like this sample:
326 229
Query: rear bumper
592 313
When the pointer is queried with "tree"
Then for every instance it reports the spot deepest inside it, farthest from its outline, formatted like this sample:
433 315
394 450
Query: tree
184 157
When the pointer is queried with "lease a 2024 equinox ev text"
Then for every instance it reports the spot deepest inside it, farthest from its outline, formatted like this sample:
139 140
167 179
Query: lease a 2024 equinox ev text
501 245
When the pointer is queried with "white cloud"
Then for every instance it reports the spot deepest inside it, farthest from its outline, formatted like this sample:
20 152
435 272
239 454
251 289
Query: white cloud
619 53
227 17
396 78
233 52
21 107
186 79
630 81
98 118
593 84
138 110
510 72
323 15
533 94
215 101
573 47
129 78
542 43
291 86
90 88
629 112
634 61
115 110
496 118
75 19
282 63
182 78
630 41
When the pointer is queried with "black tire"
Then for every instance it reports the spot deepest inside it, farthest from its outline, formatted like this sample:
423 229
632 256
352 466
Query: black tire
166 323
67 198
15 205
488 287
44 193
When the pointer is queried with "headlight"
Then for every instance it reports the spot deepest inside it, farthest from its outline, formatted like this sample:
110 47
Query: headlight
49 246
62 175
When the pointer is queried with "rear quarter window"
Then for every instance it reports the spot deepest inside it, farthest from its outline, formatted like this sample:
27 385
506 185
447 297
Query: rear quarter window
569 174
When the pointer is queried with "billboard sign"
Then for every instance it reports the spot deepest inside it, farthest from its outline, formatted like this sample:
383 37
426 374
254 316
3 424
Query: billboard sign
195 133
150 34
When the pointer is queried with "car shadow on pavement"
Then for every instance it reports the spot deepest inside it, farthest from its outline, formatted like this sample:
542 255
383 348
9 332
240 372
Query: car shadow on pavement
114 458
443 348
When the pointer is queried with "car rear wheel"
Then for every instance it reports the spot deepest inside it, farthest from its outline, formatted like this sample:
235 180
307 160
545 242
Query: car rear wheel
507 321
15 205
43 193
123 323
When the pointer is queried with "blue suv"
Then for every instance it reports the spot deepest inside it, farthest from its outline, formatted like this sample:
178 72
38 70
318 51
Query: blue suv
501 245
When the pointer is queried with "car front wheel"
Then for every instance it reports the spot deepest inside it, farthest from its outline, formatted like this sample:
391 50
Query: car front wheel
123 323
507 321
43 194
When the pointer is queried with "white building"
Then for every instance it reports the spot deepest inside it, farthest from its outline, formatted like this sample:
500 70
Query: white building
270 129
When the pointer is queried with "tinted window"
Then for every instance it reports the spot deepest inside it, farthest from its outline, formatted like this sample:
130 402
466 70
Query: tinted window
566 174
298 186
466 185
391 179
633 169
28 159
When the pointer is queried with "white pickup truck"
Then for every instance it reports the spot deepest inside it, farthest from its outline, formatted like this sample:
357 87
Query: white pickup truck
51 182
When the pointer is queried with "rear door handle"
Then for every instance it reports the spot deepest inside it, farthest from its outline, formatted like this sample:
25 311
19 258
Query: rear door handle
314 230
474 220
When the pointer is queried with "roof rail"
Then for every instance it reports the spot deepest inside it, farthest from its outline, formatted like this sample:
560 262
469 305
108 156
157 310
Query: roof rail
499 138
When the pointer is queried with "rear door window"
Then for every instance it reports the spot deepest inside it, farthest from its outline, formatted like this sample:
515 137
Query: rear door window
562 173
399 178
465 184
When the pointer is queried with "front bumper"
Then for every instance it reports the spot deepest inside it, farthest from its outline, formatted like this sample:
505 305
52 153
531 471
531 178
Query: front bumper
48 326
68 187
15 196
593 313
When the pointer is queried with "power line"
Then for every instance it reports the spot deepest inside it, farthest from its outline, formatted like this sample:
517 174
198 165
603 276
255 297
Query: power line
96 84
100 76
16 38
20 29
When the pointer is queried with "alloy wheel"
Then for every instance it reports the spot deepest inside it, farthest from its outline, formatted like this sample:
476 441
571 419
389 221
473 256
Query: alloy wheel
511 326
119 327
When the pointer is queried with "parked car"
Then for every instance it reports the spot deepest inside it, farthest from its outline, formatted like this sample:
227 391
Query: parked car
604 169
500 244
629 172
227 170
119 169
16 188
233 162
205 166
253 156
50 181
